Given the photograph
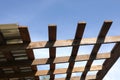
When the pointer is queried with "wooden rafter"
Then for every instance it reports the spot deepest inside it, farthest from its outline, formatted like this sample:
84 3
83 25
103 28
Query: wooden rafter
2 39
102 34
78 35
17 75
52 51
26 40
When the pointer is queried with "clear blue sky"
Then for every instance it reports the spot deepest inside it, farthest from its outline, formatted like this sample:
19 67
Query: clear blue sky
37 14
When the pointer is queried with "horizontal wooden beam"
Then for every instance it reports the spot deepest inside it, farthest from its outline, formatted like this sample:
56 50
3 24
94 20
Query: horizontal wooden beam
60 43
15 63
65 70
17 75
65 43
89 77
8 26
68 59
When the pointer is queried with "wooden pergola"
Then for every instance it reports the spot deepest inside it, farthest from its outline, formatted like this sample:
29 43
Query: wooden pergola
17 61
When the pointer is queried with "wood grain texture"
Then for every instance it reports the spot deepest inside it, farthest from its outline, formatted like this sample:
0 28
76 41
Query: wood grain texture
64 70
69 59
52 29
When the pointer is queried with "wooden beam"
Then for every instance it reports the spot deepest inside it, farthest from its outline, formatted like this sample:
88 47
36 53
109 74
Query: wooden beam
102 34
8 26
69 59
18 75
1 71
115 54
88 77
19 63
59 43
52 51
26 40
10 32
10 58
78 35
66 43
16 69
2 40
64 70
8 55
24 34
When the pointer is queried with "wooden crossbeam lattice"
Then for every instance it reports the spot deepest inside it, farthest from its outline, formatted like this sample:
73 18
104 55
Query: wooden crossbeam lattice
17 57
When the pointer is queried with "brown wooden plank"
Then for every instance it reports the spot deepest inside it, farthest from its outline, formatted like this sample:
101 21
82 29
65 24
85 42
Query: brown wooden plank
37 78
30 54
18 75
16 69
64 70
2 40
26 40
102 34
11 37
8 26
66 43
88 77
1 71
115 54
19 63
59 43
78 35
52 51
24 34
8 55
68 59
4 79
10 58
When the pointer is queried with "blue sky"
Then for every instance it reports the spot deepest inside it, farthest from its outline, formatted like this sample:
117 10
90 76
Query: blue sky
65 14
